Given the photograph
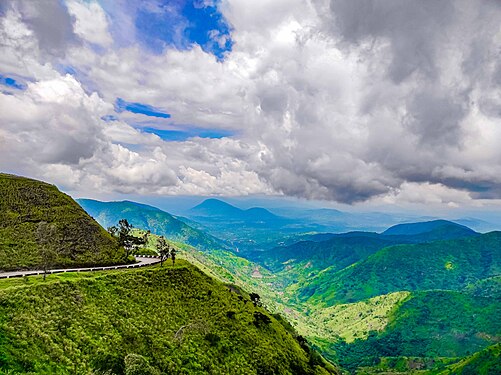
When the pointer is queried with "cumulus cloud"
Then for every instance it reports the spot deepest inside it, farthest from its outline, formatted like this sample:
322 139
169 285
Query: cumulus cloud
90 22
344 100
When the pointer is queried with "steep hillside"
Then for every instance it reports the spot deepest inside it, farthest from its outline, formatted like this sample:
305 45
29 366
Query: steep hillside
484 362
452 264
78 240
430 324
172 320
337 252
149 218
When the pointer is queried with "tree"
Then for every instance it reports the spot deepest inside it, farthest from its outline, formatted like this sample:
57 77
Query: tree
47 239
125 237
173 255
255 298
113 230
163 249
261 319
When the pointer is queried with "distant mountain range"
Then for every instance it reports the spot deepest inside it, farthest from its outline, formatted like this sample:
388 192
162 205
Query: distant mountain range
449 264
341 250
150 218
217 209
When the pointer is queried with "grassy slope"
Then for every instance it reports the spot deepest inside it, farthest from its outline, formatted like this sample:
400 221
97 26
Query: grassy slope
149 218
429 324
344 249
81 323
24 203
484 362
452 264
228 268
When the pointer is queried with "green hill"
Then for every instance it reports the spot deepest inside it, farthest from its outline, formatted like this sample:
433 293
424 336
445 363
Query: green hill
485 362
338 251
410 229
149 218
24 204
452 264
171 320
432 324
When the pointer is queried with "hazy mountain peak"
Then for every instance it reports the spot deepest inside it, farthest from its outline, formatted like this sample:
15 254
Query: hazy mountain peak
424 227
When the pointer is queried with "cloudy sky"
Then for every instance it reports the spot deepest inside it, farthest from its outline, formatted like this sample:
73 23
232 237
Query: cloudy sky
348 101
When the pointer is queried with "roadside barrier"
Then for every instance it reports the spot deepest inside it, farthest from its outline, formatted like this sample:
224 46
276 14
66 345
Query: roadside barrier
36 273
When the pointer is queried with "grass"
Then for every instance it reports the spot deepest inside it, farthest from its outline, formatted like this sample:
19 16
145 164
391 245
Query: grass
173 319
355 320
78 239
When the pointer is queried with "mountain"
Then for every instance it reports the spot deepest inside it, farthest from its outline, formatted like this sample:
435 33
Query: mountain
169 320
149 218
449 264
215 209
24 204
484 362
338 251
443 227
332 220
245 229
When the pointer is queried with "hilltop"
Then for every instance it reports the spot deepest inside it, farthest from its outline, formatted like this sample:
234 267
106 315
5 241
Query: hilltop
336 251
435 230
25 203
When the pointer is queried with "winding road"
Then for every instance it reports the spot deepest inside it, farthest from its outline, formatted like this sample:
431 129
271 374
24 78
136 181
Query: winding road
142 261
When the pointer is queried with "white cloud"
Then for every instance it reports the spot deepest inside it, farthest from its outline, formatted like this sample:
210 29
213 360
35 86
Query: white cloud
90 22
341 100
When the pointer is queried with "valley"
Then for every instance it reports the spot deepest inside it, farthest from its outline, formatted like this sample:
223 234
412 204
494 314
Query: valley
426 290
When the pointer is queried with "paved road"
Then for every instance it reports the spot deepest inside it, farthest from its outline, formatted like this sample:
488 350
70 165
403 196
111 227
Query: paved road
141 262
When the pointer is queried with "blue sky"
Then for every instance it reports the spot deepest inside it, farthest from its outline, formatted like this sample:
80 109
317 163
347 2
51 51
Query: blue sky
161 24
138 108
11 82
187 132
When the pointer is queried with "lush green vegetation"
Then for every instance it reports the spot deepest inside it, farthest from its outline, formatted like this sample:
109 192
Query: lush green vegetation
171 319
452 265
77 239
149 218
429 324
484 362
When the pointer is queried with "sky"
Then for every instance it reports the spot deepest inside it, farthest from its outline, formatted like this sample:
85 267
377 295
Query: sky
362 103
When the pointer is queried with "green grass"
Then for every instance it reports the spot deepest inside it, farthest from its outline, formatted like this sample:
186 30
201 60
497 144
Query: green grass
355 320
451 264
24 203
484 362
429 324
90 323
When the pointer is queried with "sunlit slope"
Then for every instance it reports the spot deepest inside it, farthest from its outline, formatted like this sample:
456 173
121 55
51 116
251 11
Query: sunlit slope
452 264
171 319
